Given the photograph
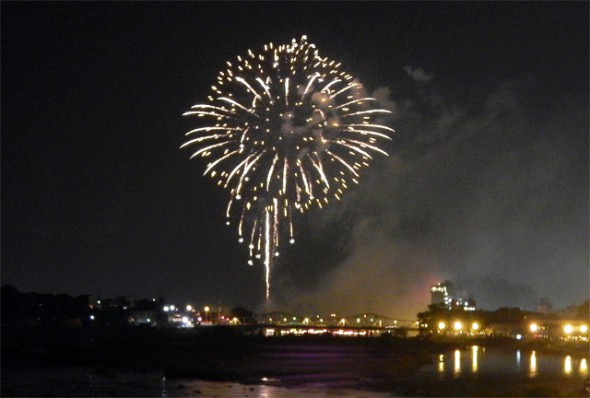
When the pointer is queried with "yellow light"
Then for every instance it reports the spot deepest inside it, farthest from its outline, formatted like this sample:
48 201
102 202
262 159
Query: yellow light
534 327
441 365
457 362
475 326
457 325
206 308
568 329
441 325
584 328
567 365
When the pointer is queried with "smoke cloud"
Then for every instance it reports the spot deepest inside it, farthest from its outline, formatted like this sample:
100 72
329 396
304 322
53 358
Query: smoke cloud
418 74
492 197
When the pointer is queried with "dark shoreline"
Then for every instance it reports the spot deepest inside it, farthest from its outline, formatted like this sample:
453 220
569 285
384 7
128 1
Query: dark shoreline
387 363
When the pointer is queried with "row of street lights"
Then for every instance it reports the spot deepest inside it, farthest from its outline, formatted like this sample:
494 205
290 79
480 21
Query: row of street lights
458 326
568 328
171 308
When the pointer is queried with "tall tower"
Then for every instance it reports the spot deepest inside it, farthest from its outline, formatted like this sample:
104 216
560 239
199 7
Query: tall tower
440 294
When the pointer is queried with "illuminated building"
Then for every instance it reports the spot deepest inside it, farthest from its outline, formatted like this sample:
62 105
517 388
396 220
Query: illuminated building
464 304
440 294
143 318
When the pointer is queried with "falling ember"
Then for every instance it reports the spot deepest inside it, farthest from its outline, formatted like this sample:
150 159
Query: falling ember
284 130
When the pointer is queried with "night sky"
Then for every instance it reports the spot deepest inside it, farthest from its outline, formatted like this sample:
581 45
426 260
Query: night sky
486 185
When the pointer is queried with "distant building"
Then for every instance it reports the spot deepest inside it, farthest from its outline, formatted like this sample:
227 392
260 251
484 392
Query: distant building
442 294
460 303
143 318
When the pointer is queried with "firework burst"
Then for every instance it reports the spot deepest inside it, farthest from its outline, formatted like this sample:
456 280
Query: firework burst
284 130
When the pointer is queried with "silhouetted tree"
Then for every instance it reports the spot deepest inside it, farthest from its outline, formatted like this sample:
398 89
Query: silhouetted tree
243 314
11 302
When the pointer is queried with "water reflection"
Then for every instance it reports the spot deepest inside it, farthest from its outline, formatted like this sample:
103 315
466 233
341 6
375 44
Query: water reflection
164 390
441 363
494 361
533 366
584 366
567 365
457 367
266 391
474 352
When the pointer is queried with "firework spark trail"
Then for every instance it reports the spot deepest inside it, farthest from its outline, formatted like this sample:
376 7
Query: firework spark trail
293 130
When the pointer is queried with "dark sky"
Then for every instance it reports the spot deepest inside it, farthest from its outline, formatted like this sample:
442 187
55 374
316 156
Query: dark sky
486 185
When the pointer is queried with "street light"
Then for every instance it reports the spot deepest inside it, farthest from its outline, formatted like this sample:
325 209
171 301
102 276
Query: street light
441 325
475 326
584 328
457 325
568 329
534 327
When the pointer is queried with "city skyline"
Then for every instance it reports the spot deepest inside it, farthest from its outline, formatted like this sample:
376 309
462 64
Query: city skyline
486 184
45 309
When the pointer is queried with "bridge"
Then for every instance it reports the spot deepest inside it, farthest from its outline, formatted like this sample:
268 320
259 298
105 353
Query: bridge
363 320
365 324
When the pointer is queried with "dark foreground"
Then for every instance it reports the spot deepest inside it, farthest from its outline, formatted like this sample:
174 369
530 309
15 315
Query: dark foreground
379 365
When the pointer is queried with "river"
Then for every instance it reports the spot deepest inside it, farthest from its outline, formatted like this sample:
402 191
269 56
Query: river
494 361
475 371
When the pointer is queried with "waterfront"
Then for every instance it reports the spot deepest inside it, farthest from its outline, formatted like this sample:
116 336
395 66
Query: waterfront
479 360
500 371
322 368
51 381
